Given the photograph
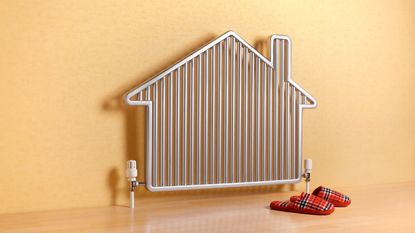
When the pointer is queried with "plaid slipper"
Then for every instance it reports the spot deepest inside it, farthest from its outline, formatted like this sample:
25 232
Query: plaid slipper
305 204
338 199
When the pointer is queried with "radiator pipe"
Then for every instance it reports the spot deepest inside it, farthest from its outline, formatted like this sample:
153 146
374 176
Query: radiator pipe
308 165
131 173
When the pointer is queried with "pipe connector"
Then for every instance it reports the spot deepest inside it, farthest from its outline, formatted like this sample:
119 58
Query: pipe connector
131 174
308 165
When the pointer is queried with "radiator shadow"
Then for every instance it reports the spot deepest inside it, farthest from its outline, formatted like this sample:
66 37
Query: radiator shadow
114 184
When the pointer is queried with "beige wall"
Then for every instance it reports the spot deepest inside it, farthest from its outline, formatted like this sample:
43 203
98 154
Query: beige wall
64 137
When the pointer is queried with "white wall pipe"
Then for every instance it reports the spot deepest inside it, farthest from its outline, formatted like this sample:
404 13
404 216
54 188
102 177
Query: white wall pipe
308 165
131 173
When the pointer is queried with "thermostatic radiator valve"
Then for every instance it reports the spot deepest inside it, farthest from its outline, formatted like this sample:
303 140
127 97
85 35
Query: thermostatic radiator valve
308 165
131 173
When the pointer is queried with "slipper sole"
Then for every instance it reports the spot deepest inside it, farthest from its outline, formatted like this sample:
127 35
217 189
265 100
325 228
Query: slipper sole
276 205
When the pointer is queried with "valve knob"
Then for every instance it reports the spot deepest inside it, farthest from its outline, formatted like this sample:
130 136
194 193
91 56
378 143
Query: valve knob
131 171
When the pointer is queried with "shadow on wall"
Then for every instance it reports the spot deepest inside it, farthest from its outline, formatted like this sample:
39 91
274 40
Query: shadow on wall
135 131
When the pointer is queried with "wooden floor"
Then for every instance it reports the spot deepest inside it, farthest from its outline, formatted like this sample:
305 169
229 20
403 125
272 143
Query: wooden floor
377 208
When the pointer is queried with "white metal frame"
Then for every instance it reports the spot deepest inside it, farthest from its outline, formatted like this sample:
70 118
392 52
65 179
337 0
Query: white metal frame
309 102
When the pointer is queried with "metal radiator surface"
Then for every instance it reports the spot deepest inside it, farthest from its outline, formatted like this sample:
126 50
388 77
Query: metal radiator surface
224 116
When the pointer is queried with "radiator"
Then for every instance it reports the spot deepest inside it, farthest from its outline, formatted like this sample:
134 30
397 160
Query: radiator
224 116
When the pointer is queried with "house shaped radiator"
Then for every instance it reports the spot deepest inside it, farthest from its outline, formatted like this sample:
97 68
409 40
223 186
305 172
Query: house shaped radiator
224 116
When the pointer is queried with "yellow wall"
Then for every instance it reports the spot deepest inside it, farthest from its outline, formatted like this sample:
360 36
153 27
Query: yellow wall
64 138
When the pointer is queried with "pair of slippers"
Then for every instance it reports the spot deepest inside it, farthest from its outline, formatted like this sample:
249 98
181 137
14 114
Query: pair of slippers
321 202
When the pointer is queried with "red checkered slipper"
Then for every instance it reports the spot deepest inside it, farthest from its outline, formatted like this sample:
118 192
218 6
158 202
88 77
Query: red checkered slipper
338 199
304 204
